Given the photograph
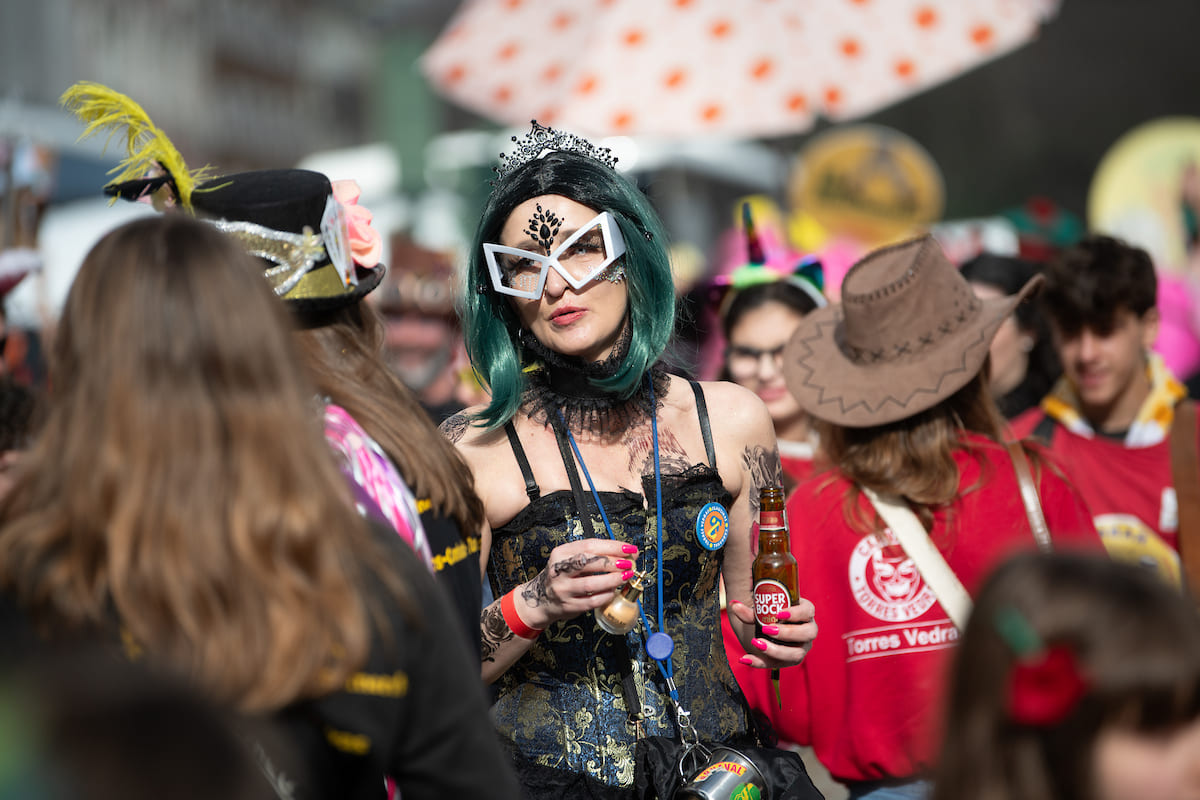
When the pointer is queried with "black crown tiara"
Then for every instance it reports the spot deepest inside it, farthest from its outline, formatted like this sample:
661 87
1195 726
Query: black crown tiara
541 140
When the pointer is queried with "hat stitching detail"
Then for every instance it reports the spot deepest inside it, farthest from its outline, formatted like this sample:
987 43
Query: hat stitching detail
885 291
865 356
845 408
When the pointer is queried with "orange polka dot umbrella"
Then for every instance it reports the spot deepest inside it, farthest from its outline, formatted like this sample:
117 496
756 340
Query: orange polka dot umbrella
750 68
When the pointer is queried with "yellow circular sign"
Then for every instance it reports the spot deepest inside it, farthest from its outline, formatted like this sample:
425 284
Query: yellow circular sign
1138 189
868 182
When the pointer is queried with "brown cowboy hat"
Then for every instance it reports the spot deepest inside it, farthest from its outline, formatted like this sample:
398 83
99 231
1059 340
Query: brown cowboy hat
908 333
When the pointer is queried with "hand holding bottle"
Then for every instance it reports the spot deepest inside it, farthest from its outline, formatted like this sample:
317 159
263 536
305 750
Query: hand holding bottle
783 621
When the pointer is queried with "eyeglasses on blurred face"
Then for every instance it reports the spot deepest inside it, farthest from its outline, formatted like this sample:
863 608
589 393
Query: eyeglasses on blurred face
745 362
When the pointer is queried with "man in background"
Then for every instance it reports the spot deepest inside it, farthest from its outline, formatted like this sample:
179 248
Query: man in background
423 344
1108 419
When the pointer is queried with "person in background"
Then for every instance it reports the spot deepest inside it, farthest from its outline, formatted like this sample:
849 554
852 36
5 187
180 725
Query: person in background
422 340
760 306
1108 420
1023 363
594 463
181 507
894 378
1077 678
385 437
320 254
757 322
27 180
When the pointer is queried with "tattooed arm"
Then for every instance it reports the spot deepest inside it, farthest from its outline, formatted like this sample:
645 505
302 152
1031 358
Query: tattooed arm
578 576
748 459
764 469
454 427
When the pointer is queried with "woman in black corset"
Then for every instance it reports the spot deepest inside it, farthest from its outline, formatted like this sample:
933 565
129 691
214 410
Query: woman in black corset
584 448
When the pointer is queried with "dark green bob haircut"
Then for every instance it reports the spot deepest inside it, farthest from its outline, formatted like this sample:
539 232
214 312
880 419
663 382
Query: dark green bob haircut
491 326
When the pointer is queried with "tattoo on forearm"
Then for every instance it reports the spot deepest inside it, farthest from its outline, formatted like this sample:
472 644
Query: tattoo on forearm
493 631
454 427
673 459
765 470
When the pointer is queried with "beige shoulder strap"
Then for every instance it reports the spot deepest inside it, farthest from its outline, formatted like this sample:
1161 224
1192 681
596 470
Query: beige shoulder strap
1029 496
924 553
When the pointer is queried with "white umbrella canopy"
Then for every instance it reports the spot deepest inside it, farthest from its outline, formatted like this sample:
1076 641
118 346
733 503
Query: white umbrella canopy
683 68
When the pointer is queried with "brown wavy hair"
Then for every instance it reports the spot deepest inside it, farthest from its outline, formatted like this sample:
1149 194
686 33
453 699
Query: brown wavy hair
342 351
914 457
181 490
1136 640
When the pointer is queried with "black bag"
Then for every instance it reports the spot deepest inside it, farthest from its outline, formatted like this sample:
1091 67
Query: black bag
657 771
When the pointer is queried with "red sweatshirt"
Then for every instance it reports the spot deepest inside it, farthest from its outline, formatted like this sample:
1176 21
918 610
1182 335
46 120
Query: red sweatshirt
868 695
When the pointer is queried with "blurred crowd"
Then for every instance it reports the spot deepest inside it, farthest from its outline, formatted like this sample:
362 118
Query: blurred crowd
265 500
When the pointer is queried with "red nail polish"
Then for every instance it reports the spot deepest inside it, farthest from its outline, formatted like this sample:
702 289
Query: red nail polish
626 575
785 614
628 549
747 661
759 643
624 564
770 630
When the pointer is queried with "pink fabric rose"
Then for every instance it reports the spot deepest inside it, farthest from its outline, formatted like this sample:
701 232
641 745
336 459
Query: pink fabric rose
366 245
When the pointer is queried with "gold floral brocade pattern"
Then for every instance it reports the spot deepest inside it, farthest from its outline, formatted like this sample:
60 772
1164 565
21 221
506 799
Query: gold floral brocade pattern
561 705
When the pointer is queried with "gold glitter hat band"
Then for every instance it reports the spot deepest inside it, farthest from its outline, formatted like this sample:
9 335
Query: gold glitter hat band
293 254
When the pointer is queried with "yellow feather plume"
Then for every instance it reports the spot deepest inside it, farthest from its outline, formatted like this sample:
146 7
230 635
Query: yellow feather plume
148 150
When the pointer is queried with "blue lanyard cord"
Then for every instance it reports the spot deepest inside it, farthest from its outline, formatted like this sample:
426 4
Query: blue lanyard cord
665 665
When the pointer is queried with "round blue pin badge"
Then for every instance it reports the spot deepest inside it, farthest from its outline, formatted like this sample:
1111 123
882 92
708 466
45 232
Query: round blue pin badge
712 526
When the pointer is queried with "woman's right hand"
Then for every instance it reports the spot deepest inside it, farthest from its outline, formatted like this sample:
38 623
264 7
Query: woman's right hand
579 576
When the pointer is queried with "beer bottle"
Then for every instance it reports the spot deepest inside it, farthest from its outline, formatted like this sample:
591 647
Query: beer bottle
776 584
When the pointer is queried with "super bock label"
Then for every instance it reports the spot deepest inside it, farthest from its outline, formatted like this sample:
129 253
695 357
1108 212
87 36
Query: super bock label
770 597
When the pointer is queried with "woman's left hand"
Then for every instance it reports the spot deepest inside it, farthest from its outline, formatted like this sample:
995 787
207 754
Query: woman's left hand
790 639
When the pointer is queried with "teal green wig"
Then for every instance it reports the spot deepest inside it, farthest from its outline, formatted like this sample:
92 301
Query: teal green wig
491 326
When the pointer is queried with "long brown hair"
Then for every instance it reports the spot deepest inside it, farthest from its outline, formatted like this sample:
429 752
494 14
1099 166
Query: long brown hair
342 352
181 488
914 457
1136 641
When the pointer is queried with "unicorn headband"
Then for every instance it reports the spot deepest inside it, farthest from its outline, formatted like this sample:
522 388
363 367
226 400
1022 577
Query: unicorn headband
806 274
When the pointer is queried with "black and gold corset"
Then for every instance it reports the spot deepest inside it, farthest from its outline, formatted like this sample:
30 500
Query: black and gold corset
561 705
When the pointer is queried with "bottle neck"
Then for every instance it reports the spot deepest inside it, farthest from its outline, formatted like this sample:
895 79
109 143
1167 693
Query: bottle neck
769 517
772 540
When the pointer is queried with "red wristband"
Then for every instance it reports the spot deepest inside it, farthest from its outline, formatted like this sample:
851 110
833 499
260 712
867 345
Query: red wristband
508 607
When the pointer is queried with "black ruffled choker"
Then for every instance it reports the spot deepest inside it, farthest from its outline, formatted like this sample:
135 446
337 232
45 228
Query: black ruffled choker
565 382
